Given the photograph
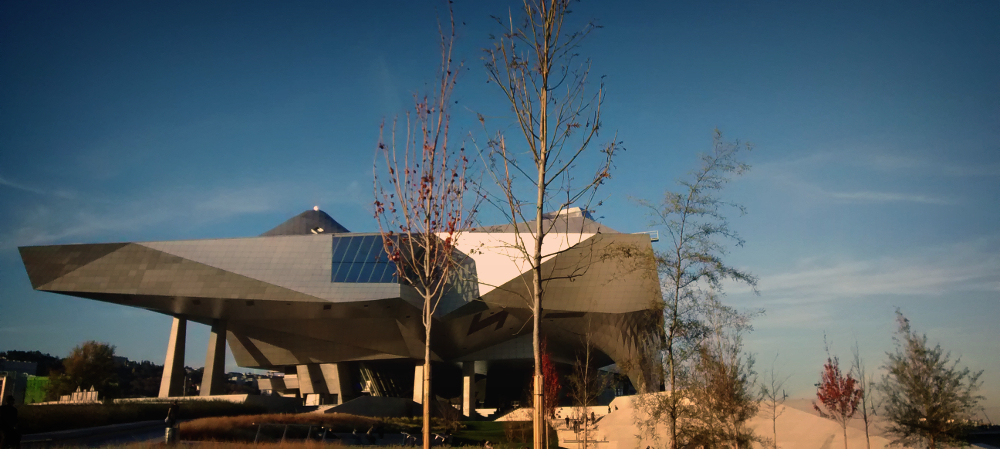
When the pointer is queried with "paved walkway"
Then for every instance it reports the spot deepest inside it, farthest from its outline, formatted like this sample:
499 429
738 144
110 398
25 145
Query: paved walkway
108 435
797 427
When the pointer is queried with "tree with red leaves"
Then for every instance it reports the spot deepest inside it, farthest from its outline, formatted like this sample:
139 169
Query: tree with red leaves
552 386
839 395
420 204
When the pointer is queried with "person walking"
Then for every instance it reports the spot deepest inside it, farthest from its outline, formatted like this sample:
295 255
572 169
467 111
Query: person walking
10 437
171 422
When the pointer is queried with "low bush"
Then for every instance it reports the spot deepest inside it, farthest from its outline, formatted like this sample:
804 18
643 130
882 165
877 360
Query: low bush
237 444
44 418
244 428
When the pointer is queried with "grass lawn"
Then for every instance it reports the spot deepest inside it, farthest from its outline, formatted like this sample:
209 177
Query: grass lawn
240 431
500 435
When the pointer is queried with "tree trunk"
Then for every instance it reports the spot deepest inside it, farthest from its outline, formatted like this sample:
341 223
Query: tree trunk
774 424
539 233
845 435
868 440
546 435
427 392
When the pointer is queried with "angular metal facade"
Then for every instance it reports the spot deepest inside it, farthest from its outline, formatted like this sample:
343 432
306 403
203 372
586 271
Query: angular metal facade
298 296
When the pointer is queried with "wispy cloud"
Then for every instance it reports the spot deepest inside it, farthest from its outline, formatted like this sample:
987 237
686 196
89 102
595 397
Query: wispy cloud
960 267
878 161
59 193
798 175
56 219
888 197
20 187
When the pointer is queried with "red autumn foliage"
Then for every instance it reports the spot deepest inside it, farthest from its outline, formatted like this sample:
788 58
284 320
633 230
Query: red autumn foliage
839 395
551 377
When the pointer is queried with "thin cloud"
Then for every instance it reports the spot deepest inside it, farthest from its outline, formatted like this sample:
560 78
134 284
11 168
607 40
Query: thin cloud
790 174
963 267
879 161
61 220
888 197
21 187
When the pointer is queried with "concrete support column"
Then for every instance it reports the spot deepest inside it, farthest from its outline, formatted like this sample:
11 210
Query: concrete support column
172 383
338 382
468 388
418 383
308 377
214 378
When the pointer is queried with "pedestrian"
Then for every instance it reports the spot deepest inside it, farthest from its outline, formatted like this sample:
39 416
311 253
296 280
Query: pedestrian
593 418
171 422
10 437
567 422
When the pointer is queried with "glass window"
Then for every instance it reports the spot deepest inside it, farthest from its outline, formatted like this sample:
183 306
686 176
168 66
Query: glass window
340 272
368 273
361 259
378 273
369 249
339 246
352 276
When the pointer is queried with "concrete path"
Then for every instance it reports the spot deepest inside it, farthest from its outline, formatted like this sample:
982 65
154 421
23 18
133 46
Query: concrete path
107 435
796 428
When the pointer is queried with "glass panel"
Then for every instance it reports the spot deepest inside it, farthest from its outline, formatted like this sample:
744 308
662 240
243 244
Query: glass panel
361 259
390 275
352 276
363 274
339 250
369 248
352 250
340 272
377 269
379 274
378 252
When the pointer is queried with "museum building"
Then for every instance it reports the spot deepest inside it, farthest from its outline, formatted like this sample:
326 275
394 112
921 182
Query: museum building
325 307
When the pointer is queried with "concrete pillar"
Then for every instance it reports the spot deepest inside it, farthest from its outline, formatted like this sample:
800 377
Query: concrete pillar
468 388
338 381
309 377
418 383
214 377
172 383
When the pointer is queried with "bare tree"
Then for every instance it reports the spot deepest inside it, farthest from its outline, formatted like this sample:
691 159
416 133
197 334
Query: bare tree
866 382
533 62
420 203
698 230
586 384
774 396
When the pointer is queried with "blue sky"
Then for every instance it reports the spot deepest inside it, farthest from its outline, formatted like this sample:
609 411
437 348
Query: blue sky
875 180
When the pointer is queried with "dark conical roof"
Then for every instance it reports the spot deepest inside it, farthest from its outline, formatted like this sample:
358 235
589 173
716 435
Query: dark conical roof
304 224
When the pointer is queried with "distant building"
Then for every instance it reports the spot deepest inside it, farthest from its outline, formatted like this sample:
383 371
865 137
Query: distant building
13 383
28 368
325 307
